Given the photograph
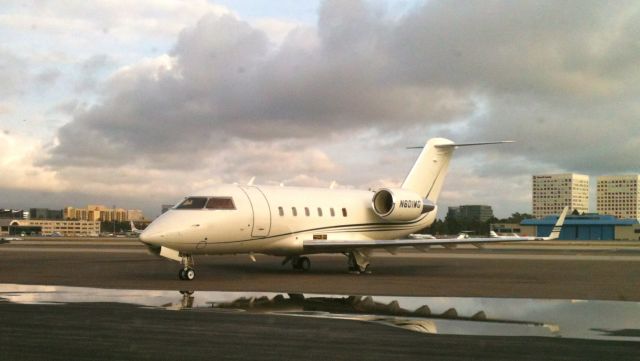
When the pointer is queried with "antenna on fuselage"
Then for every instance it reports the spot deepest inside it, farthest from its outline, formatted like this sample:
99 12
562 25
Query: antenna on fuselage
250 182
333 184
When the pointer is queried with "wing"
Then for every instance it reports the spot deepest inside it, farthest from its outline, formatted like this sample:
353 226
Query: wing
323 245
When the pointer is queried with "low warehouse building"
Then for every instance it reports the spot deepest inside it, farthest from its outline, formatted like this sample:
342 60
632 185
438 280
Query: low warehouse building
585 227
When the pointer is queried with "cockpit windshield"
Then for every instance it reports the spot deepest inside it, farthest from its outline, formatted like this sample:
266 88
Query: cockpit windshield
193 203
220 203
207 202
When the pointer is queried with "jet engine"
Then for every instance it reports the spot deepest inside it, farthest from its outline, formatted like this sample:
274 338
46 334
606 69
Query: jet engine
400 204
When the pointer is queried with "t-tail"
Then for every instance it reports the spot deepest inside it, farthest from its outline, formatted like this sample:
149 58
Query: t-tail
428 173
135 230
555 232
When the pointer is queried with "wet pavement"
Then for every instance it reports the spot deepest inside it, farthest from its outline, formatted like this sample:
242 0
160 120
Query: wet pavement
584 319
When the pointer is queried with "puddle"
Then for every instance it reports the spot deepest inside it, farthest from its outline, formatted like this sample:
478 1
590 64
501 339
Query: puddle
605 320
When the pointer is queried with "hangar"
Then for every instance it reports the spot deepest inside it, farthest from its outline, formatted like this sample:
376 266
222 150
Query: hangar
585 227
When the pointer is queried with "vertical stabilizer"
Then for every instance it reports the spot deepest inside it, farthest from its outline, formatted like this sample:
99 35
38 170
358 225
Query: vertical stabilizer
428 173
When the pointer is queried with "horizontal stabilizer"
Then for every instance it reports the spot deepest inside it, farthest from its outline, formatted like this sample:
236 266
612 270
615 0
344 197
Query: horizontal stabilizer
455 145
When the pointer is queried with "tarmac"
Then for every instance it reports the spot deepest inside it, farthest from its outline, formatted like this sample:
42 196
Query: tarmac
122 331
597 274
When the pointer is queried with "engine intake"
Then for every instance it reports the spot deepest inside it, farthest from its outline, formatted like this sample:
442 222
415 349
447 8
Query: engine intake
399 204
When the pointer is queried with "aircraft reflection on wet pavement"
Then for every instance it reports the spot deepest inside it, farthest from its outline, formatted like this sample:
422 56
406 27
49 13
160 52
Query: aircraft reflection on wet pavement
606 320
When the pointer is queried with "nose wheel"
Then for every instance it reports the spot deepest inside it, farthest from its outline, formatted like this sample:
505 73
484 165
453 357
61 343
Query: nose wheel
187 274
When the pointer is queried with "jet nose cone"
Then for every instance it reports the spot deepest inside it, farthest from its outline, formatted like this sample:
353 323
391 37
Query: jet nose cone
150 238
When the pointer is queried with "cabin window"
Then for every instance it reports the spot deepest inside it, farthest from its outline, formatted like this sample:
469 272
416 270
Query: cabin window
333 213
306 211
281 211
220 203
319 211
294 211
344 212
192 203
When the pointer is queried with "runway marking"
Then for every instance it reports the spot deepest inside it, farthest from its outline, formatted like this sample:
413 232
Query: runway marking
74 243
451 255
547 257
71 250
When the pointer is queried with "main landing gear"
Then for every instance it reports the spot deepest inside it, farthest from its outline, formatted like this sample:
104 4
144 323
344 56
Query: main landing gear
187 273
298 263
358 262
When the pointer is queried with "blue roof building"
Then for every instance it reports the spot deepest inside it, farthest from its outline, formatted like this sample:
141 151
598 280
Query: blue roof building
586 227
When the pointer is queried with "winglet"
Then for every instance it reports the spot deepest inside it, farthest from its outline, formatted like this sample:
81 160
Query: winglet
555 232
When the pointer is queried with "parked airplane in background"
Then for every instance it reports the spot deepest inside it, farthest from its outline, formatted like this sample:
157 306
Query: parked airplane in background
293 222
555 232
9 239
134 230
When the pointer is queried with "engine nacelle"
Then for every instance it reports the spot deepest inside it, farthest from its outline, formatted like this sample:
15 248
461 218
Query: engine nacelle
399 204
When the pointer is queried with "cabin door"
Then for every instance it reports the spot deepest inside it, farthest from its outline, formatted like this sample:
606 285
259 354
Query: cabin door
261 212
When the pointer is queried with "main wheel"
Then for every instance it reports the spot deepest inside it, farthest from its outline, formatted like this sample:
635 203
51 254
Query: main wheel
305 263
295 263
181 274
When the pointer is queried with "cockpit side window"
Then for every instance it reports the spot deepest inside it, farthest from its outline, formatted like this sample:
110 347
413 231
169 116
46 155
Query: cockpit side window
192 203
221 203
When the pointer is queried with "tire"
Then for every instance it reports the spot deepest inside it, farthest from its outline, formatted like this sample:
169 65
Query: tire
305 263
181 274
189 274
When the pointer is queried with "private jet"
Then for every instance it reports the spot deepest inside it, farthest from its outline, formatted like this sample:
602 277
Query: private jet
295 222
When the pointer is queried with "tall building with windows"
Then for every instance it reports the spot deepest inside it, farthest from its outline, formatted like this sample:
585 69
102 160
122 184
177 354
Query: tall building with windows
619 195
553 192
473 212
101 213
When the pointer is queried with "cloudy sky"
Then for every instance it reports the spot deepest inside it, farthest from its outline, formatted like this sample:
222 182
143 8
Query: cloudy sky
138 103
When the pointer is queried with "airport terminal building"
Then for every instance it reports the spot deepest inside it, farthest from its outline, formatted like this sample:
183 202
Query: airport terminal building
588 227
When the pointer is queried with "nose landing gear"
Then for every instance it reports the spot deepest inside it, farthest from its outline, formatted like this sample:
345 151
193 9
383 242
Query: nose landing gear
187 273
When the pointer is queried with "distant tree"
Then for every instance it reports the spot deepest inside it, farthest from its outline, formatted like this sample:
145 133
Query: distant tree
575 212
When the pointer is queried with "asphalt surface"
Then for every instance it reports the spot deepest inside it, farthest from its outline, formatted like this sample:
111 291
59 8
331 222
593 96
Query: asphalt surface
106 331
610 274
119 332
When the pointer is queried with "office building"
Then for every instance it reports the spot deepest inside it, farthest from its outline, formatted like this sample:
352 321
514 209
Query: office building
135 215
45 213
619 195
101 213
553 192
14 214
480 213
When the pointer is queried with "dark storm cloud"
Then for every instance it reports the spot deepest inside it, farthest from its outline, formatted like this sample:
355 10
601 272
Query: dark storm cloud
554 75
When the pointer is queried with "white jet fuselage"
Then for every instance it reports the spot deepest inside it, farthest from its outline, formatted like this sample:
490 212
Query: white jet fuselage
275 221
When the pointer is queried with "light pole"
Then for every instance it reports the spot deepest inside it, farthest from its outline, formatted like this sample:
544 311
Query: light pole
114 219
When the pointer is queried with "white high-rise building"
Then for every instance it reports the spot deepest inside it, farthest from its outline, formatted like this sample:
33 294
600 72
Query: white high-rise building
553 192
619 195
